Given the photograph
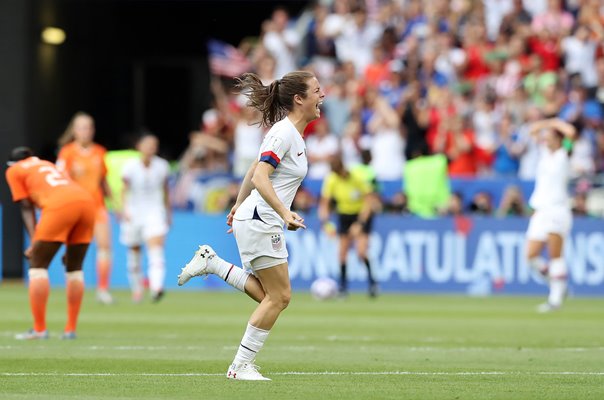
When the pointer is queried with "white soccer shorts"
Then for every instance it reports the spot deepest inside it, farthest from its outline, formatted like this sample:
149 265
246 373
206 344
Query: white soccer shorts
257 239
557 220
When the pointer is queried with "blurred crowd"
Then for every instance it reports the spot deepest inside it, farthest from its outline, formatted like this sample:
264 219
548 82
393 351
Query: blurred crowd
409 78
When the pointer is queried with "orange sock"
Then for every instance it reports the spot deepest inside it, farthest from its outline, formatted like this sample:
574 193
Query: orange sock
103 269
39 289
75 294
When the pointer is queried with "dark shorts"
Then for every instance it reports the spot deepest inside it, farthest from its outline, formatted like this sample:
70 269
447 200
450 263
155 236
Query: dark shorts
345 221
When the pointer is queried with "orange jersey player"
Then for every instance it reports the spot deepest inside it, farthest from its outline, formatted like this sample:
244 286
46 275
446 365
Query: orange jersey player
67 217
84 161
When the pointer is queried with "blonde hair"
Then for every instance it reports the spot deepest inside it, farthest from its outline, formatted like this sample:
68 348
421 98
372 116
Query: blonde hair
68 136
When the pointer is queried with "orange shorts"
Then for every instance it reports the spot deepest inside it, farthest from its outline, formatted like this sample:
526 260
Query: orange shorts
71 223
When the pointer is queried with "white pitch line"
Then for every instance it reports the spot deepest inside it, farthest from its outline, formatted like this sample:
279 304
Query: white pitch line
318 373
414 349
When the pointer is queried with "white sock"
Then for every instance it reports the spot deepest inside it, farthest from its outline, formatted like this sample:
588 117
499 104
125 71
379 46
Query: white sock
234 276
157 268
538 264
558 281
252 342
135 274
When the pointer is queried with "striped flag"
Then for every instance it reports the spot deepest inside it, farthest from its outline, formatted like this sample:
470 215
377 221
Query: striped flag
226 60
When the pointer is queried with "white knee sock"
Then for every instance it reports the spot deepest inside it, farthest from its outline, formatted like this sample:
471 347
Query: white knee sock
157 268
538 264
234 276
135 274
558 281
252 342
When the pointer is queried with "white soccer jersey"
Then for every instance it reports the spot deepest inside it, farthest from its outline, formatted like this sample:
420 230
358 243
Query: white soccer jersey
283 147
146 187
551 181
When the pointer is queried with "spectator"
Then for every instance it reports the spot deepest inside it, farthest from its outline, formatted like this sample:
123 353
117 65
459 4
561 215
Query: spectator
580 55
415 119
599 156
482 204
512 203
484 122
456 141
356 39
580 204
281 41
387 144
247 139
321 147
515 20
528 147
506 157
554 20
393 88
352 143
455 206
494 12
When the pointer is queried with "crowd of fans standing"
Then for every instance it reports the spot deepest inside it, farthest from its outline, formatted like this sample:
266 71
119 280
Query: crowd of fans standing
406 78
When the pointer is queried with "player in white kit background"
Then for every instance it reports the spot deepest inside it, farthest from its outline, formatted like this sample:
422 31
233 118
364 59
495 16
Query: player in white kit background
262 209
146 217
551 221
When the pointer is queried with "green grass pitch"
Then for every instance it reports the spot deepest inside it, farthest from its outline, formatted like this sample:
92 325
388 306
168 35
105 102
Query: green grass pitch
394 347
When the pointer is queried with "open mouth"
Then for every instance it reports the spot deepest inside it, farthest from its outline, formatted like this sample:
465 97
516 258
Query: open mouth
319 104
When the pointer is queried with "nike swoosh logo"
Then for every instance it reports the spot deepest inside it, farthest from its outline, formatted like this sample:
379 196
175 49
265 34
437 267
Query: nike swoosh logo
300 153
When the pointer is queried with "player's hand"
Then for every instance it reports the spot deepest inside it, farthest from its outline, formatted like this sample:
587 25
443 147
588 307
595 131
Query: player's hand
293 221
27 253
230 217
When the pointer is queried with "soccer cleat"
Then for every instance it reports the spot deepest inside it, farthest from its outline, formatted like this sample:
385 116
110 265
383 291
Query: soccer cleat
104 297
197 266
68 336
245 372
157 296
547 308
373 290
32 335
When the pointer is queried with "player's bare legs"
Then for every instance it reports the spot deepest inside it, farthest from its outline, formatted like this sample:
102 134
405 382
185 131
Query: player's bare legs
157 266
74 258
557 271
343 245
135 272
534 248
362 246
254 289
40 255
278 291
277 288
102 237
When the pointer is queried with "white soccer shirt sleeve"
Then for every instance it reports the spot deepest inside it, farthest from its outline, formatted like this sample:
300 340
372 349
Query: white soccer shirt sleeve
274 147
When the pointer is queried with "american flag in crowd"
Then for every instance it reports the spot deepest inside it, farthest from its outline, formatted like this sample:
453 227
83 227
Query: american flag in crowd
226 60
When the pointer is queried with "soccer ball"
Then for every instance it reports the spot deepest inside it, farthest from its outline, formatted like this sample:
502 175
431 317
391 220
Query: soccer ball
324 289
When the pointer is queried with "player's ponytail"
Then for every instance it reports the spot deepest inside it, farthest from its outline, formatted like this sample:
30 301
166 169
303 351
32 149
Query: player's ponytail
276 100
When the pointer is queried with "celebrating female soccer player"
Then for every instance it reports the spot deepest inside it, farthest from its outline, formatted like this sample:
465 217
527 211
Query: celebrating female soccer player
263 208
84 162
552 218
146 216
